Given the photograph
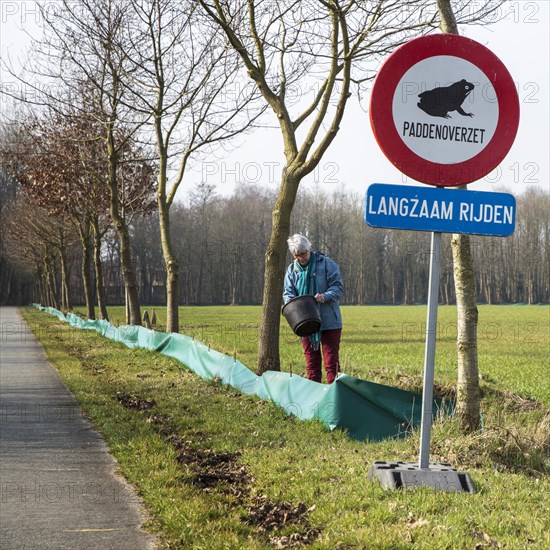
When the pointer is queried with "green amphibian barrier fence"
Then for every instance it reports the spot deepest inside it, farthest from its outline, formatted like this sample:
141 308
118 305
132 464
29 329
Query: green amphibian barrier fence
365 410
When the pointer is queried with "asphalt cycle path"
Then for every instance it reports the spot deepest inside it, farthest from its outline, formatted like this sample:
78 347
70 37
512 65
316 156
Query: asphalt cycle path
59 487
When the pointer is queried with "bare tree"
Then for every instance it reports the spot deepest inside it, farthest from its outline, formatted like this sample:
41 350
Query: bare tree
285 45
533 229
468 394
181 80
12 277
77 66
55 162
42 241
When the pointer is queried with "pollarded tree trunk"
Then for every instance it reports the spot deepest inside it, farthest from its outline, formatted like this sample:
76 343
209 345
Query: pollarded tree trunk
275 257
39 294
50 283
468 405
65 295
84 234
172 270
171 262
101 301
86 281
133 316
468 396
128 274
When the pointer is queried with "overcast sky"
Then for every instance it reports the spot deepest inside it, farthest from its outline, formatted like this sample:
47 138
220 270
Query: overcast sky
354 160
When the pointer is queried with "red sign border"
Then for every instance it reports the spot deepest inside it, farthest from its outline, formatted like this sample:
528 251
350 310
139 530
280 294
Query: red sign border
381 110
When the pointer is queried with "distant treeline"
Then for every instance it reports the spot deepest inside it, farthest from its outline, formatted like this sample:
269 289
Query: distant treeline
221 243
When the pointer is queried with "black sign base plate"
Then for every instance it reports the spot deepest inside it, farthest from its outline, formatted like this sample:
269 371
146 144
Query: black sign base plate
405 475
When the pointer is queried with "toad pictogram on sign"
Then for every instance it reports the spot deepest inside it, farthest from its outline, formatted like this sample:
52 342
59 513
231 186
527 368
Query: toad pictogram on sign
441 101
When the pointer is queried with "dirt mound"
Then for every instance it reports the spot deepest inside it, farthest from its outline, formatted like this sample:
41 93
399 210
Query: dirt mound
267 515
135 402
221 471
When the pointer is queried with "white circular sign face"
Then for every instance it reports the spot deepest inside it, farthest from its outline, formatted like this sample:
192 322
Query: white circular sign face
445 109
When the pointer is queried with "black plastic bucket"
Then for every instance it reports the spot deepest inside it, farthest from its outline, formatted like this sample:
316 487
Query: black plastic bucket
302 314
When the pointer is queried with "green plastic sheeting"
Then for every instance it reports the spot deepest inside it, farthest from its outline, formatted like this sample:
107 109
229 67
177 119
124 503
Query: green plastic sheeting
366 411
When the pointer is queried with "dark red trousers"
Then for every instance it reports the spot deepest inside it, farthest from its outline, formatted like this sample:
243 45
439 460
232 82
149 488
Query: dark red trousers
330 346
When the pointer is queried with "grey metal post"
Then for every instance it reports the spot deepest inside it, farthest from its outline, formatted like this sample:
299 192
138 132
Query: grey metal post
429 356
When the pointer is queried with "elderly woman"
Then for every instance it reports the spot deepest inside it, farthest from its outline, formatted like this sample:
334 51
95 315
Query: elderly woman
314 273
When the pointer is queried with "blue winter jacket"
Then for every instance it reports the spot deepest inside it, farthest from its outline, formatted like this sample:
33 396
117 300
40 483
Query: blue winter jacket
329 283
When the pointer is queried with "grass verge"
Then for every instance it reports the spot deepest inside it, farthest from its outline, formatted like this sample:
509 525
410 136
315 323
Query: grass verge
218 469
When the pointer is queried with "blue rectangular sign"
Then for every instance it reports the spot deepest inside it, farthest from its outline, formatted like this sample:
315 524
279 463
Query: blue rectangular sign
441 210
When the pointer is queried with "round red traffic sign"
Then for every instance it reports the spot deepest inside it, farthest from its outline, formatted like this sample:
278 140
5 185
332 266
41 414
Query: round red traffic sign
444 110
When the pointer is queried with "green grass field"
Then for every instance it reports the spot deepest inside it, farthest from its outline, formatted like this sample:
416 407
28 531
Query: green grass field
217 469
386 343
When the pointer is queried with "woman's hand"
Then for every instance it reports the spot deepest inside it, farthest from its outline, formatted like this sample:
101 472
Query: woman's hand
320 298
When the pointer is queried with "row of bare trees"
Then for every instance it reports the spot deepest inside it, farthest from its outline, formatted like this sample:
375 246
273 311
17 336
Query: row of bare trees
147 84
220 243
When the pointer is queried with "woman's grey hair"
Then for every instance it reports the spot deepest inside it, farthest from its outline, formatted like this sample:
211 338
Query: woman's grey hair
298 244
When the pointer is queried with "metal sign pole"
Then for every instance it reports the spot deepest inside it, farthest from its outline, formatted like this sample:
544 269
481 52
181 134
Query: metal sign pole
443 477
429 357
